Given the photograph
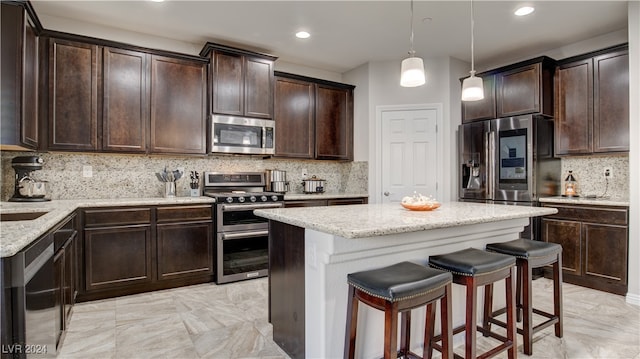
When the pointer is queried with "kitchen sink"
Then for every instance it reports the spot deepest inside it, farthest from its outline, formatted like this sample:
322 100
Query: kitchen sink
21 216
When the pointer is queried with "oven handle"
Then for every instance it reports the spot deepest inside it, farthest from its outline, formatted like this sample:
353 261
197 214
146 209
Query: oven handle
248 207
226 236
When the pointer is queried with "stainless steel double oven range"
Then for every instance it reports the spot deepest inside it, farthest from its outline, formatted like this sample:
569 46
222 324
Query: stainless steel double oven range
241 237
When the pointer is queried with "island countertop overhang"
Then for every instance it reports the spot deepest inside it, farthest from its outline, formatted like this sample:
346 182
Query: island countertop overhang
372 220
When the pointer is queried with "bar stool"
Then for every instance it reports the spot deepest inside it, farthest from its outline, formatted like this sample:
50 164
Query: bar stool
474 268
529 254
398 289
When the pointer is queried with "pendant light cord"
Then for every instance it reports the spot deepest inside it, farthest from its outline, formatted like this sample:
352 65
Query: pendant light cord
473 71
412 52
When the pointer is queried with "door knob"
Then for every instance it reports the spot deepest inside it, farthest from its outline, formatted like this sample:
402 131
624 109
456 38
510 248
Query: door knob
386 193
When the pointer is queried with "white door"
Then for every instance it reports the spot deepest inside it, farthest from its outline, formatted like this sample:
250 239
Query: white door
410 159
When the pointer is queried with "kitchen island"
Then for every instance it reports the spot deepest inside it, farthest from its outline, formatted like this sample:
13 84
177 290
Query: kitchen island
311 251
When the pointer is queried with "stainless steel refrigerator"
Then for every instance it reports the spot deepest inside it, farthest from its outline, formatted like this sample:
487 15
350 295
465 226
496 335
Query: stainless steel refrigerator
508 161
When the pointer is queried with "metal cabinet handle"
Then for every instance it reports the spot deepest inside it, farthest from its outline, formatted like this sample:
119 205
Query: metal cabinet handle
386 193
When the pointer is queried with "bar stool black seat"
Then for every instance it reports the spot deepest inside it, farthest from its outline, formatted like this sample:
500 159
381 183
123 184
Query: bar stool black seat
474 268
398 289
529 255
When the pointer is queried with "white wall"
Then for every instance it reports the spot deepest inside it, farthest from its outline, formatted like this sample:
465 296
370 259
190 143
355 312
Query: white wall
633 294
378 84
360 78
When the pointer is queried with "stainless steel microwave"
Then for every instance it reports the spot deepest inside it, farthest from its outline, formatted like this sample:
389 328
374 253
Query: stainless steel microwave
231 134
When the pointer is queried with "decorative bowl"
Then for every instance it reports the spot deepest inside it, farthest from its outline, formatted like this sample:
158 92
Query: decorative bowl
421 206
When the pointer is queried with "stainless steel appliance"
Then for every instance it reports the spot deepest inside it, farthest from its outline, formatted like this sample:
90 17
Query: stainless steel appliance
277 181
313 185
241 237
508 161
230 134
28 189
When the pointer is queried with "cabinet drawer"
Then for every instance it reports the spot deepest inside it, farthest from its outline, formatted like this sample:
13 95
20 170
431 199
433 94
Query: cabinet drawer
184 214
116 216
591 214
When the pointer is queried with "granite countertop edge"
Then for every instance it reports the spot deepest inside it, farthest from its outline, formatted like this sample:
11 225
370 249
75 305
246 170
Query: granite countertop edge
17 235
394 219
622 202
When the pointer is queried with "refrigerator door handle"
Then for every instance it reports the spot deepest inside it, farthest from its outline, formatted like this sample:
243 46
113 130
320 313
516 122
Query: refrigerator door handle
490 160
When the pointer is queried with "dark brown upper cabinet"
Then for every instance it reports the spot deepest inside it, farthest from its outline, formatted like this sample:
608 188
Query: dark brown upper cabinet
178 106
592 96
19 128
125 114
484 109
518 89
108 97
295 118
314 118
241 82
73 95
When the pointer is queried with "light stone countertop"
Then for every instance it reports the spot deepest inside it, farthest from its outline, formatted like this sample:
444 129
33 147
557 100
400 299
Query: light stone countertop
370 220
312 196
16 235
624 202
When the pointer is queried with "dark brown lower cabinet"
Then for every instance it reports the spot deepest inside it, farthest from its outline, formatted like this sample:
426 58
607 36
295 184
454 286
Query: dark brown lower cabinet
137 249
325 202
594 243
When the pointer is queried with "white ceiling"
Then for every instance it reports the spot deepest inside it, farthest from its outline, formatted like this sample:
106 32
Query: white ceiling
346 34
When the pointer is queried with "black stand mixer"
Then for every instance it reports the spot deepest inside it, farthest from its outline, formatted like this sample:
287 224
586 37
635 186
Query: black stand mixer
27 189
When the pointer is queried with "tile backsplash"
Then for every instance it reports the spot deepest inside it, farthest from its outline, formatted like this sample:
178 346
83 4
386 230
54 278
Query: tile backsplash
589 173
133 176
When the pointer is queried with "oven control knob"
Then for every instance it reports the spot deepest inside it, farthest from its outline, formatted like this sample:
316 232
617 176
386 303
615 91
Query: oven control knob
229 199
252 198
264 198
241 199
274 198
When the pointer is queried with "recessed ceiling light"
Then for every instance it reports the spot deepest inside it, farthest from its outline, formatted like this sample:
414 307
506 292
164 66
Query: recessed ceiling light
303 35
525 10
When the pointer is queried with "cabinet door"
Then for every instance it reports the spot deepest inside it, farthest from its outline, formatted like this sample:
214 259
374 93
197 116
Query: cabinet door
518 91
117 257
611 102
605 252
69 287
19 79
258 87
568 235
184 249
334 123
178 106
574 108
294 117
126 107
73 95
484 109
228 84
58 267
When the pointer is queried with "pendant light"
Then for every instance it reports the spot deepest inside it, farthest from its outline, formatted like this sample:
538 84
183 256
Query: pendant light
472 88
412 69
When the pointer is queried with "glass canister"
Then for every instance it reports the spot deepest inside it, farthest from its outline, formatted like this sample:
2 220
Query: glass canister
570 186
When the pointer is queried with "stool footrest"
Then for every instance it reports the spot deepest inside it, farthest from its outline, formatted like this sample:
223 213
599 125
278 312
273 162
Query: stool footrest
552 320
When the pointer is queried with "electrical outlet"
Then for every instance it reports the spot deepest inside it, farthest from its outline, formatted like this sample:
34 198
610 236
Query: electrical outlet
87 171
608 173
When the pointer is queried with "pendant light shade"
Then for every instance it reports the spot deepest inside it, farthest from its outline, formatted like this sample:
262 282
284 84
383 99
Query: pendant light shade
412 69
472 88
412 72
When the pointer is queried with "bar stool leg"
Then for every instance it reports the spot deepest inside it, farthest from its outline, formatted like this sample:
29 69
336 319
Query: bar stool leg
488 307
446 325
557 294
519 284
471 317
390 330
405 332
527 307
429 330
511 311
352 318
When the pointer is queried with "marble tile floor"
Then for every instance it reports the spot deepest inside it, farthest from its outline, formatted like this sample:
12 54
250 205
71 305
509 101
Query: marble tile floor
230 321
